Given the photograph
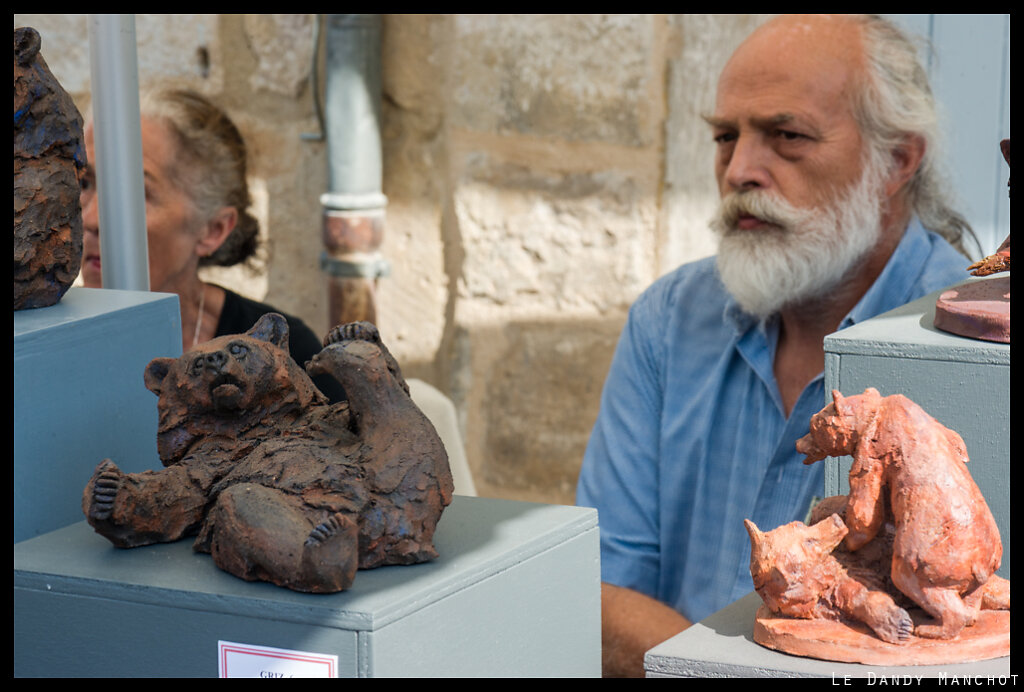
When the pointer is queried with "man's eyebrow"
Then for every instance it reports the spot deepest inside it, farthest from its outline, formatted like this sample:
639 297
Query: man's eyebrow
715 121
778 119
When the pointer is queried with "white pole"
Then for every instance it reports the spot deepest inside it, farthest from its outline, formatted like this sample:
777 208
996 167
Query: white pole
118 150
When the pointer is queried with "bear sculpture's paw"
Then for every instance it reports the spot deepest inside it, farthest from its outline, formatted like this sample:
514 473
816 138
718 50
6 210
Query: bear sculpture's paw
324 531
896 628
330 555
104 492
353 331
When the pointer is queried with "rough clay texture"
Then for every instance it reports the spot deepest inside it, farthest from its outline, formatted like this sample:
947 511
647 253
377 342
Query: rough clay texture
48 157
279 485
540 170
914 531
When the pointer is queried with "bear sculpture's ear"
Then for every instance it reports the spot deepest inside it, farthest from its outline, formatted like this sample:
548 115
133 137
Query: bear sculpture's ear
272 328
829 533
840 403
156 372
756 536
26 44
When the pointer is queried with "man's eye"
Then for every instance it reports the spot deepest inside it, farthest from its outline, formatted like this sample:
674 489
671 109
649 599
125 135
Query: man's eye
725 137
789 135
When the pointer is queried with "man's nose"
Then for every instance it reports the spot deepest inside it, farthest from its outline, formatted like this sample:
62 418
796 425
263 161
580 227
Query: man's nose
747 168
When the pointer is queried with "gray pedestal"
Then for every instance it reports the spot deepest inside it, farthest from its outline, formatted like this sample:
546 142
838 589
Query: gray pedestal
516 592
722 645
79 396
963 383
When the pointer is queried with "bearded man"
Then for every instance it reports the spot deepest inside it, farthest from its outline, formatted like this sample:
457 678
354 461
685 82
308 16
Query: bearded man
825 130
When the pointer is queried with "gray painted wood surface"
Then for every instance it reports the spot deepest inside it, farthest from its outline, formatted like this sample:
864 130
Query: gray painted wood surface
79 396
515 592
722 645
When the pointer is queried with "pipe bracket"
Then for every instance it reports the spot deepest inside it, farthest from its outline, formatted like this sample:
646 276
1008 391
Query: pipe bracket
355 266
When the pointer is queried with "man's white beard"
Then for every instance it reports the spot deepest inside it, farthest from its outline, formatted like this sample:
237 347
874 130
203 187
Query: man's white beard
809 252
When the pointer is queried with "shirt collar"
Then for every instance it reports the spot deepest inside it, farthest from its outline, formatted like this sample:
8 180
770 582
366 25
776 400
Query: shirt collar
894 286
891 289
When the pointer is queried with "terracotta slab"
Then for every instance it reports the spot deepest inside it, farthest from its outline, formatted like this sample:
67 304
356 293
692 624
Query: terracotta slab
978 310
987 638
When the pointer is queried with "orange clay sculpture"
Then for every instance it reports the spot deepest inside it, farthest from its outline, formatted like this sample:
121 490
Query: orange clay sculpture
911 470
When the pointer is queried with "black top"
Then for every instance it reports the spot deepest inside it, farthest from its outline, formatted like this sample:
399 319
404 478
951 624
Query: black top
240 314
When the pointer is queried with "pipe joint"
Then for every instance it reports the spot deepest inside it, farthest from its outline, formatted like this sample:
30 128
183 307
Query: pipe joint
355 266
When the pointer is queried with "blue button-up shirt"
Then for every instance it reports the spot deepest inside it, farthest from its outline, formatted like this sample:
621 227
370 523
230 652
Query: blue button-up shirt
692 437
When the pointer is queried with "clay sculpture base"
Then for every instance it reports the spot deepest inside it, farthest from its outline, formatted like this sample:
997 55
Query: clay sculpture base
978 310
987 638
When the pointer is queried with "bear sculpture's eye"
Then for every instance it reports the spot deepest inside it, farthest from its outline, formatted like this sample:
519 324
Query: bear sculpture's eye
238 350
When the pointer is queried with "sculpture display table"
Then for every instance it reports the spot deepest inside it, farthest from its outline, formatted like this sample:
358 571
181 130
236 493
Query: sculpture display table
963 383
722 645
515 592
78 396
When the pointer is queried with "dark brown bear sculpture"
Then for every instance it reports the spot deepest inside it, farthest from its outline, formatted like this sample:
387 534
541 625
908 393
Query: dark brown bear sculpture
280 485
48 160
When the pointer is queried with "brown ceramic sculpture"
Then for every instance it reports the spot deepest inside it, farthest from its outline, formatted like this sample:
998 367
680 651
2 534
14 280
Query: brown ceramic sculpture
49 157
914 532
279 485
1000 261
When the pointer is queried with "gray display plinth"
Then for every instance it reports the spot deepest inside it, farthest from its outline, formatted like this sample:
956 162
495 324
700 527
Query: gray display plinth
963 383
79 396
722 645
515 592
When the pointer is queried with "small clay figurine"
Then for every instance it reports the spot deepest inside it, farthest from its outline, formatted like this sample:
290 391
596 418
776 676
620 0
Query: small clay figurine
980 309
49 158
279 485
796 575
913 533
1000 261
909 466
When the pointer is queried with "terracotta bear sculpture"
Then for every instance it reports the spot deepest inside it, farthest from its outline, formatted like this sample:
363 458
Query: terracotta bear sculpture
280 485
797 575
910 469
49 158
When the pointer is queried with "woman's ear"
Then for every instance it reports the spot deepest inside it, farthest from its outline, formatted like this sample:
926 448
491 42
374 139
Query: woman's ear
217 231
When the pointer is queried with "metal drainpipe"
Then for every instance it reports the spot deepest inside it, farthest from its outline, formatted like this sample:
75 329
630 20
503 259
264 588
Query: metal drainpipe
354 205
113 65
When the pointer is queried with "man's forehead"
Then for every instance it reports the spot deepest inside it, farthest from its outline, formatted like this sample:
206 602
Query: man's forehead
806 36
792 63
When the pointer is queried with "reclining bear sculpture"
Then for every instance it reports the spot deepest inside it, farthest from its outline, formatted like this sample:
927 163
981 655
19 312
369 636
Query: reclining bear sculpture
280 485
914 530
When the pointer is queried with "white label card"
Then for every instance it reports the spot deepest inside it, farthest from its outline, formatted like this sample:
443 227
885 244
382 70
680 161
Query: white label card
248 661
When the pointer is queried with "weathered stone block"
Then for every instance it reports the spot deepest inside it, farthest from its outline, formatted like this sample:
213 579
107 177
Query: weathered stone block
578 77
580 242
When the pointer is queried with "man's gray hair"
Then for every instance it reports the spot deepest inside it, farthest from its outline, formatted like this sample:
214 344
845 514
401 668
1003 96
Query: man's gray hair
895 101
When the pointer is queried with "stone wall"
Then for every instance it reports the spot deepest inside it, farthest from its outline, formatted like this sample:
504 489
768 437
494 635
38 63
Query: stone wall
541 171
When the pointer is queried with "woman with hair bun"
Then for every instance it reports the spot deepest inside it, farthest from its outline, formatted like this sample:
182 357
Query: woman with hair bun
197 200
